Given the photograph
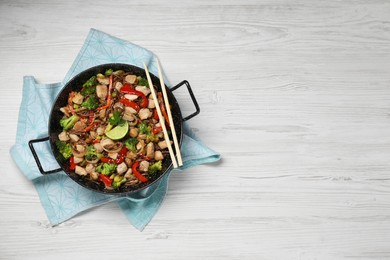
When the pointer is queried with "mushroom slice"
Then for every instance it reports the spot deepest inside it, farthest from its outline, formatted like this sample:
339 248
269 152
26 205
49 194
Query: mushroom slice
111 146
79 150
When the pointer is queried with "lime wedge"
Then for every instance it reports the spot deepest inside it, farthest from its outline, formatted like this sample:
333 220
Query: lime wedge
118 132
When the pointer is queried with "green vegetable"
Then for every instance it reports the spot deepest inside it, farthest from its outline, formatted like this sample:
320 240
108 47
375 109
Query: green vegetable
89 86
68 123
64 148
143 82
116 119
143 128
91 103
118 72
106 168
108 72
118 180
154 169
91 153
131 144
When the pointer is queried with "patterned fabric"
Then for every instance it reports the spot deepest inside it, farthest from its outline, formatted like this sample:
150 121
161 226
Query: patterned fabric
60 196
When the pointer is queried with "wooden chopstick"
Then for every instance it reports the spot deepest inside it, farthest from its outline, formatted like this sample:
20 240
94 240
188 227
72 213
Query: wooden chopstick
161 117
168 108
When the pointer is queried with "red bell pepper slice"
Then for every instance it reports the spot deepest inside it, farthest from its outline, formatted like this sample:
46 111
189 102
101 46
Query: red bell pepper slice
127 90
137 174
72 164
162 108
119 159
105 179
155 115
129 103
156 130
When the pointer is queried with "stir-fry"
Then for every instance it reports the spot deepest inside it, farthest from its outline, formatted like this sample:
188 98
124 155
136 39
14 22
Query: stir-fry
111 132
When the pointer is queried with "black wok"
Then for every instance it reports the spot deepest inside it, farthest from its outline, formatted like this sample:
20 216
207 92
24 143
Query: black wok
54 127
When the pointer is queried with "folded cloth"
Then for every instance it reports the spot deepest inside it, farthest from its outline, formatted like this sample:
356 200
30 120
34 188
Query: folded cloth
61 197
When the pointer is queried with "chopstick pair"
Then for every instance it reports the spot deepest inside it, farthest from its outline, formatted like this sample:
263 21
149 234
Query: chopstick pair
161 117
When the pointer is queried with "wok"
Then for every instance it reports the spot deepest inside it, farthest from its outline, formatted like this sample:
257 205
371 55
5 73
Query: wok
54 127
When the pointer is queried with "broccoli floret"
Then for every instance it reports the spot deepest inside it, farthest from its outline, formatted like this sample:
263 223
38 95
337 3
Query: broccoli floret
131 144
91 153
154 169
91 103
68 123
143 82
143 128
108 72
89 86
106 168
64 148
118 180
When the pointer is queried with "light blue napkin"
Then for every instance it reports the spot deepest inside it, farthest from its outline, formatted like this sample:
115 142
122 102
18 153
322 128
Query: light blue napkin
60 196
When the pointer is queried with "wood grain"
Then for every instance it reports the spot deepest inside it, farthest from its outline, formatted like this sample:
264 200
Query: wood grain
295 95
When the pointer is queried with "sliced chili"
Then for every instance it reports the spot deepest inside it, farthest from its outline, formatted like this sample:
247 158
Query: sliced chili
105 179
137 174
119 159
127 90
72 164
129 103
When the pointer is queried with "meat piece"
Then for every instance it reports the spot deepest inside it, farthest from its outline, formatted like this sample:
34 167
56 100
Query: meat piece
158 156
131 79
80 171
121 168
78 99
74 138
150 150
101 91
63 136
144 113
143 89
143 166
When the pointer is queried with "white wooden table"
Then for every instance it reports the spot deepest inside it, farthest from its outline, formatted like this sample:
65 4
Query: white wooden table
295 95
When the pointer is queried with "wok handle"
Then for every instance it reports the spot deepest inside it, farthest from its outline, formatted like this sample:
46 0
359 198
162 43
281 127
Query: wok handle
30 144
192 98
